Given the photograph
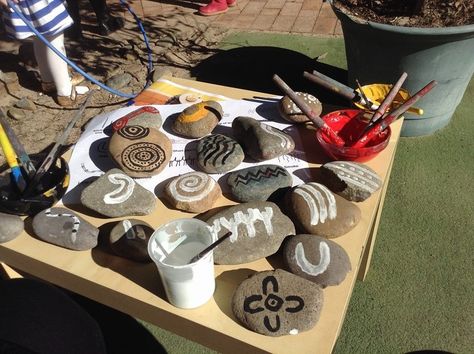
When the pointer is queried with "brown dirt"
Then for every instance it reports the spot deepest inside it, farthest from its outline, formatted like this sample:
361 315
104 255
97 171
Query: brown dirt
412 13
178 43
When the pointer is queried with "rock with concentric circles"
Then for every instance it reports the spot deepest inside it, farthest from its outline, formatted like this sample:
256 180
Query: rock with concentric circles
193 191
140 151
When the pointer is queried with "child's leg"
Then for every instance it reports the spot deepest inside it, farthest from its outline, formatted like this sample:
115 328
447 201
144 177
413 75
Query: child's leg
51 66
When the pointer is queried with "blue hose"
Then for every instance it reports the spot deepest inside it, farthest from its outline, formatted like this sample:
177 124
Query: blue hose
74 66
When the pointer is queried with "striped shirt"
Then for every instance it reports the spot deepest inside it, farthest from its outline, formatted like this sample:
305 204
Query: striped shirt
48 17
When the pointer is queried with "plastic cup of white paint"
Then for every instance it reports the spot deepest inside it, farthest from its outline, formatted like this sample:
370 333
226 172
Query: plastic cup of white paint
171 247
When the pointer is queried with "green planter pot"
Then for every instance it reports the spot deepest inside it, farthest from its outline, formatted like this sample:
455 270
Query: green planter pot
379 53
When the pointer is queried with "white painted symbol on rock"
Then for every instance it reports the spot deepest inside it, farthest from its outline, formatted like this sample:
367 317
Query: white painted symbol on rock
75 222
320 208
197 184
285 142
246 220
308 267
123 192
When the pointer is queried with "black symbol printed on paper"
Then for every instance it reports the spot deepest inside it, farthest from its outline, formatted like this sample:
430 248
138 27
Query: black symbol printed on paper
143 157
272 303
133 132
260 175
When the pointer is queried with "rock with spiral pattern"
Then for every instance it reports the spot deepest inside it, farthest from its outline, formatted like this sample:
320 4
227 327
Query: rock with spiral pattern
198 120
140 151
194 192
290 111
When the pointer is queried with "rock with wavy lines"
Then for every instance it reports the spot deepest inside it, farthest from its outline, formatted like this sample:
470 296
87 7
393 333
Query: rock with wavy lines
116 194
259 182
193 191
317 259
218 153
140 151
261 141
316 210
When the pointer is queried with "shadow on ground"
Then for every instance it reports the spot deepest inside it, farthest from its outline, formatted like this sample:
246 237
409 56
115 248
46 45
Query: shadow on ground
252 68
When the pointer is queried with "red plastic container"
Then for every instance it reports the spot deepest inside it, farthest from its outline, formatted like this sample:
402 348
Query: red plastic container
349 124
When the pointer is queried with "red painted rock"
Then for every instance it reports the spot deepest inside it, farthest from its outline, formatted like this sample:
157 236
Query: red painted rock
146 116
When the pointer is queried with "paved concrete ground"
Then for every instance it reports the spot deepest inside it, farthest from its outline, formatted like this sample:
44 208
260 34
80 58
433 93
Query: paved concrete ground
313 17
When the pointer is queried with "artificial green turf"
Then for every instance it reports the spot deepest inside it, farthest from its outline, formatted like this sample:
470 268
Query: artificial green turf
419 292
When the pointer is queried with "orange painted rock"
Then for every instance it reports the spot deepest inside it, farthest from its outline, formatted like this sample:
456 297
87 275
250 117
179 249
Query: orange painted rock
198 120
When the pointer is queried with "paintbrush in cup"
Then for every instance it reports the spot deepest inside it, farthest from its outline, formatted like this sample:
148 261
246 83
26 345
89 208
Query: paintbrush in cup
365 100
330 84
385 103
308 112
392 116
210 248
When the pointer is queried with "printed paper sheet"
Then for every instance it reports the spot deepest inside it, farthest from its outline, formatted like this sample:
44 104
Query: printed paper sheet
90 157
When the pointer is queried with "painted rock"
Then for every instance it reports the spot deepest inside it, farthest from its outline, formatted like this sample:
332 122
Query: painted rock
258 229
318 211
261 141
258 182
11 226
129 239
218 153
146 116
317 259
198 119
277 303
290 111
62 227
115 194
140 151
351 180
194 191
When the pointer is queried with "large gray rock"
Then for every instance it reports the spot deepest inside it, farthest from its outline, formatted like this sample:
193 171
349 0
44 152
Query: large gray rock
258 182
115 194
193 191
198 119
145 116
261 141
129 239
277 303
11 226
258 229
291 112
64 228
316 210
317 259
140 151
351 180
218 153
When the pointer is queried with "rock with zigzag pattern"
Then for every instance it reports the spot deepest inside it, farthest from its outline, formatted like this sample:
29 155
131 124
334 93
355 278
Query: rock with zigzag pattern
258 182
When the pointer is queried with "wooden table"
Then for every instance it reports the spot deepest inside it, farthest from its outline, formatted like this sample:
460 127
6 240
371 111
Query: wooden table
136 289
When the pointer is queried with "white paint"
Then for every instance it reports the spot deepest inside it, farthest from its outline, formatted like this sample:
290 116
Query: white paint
122 192
127 227
309 268
285 142
320 201
247 220
75 222
198 183
294 331
355 175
